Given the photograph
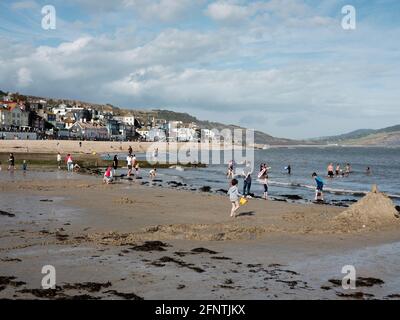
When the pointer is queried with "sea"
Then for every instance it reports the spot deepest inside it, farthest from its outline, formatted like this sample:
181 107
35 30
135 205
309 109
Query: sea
384 164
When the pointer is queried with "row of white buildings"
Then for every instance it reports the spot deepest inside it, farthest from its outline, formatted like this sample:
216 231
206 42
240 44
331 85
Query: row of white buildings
65 121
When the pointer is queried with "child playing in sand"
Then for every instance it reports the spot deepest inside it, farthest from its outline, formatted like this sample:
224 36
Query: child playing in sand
107 175
234 196
153 173
319 191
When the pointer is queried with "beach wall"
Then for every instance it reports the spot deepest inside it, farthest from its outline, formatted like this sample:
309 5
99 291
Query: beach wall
18 135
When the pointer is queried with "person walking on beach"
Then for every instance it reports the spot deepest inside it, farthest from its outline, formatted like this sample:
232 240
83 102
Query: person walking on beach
70 163
319 191
115 165
330 170
234 196
11 162
129 159
247 172
130 150
263 178
59 161
108 176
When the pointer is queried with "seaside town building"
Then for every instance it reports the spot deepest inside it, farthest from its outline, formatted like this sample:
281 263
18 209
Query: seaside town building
66 119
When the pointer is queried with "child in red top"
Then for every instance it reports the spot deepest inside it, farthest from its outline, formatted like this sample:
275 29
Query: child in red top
107 175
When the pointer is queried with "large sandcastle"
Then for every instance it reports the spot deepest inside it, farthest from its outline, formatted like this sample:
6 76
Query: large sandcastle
374 211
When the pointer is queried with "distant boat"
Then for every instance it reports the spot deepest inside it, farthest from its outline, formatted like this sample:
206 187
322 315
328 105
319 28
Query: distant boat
266 147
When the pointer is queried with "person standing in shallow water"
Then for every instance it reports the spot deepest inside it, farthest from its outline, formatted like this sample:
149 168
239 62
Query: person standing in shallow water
24 166
337 170
59 161
319 191
11 162
70 162
348 169
330 170
263 178
115 165
247 172
129 160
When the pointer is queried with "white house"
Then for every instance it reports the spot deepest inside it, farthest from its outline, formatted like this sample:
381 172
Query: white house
88 131
13 115
186 135
130 120
156 134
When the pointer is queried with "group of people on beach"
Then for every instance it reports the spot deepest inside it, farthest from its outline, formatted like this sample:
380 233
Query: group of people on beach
338 171
234 195
132 164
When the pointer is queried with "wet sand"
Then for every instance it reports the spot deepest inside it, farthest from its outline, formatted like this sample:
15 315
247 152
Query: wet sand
131 241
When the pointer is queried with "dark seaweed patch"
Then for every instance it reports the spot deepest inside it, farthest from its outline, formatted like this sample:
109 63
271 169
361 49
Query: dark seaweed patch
151 246
181 264
87 286
127 296
7 214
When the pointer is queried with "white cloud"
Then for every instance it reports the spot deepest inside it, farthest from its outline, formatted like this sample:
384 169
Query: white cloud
225 11
24 77
282 60
22 5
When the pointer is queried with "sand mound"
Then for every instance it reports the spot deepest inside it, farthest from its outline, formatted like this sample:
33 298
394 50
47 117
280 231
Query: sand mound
372 212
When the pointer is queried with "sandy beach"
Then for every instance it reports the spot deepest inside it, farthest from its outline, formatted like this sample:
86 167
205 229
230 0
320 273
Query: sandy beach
88 147
136 240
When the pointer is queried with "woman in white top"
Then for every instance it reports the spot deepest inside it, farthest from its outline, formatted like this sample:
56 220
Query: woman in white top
263 178
129 159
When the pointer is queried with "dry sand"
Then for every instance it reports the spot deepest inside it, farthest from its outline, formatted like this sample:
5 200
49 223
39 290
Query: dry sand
88 147
141 239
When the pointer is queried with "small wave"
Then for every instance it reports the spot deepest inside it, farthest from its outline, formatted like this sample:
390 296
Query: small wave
326 189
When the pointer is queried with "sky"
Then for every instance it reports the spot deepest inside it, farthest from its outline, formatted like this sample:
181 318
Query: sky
285 67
